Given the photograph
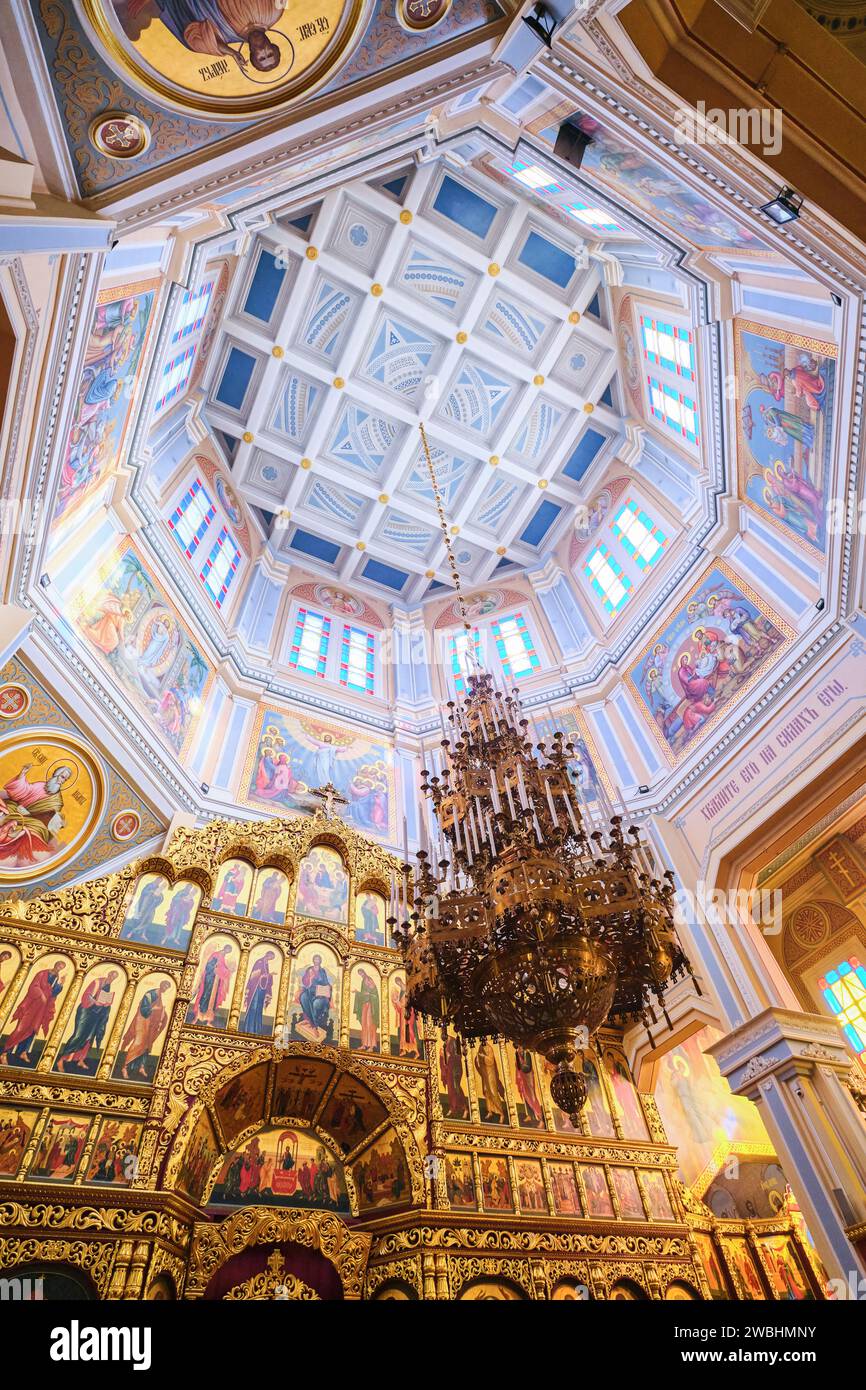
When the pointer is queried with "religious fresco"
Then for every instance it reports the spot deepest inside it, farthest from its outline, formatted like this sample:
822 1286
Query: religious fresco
60 1147
259 998
748 1190
129 625
563 1185
16 1127
381 1174
529 1180
113 1159
702 1116
323 886
269 899
489 1088
52 792
282 1167
405 1023
105 392
657 1196
709 653
786 401
298 1087
99 998
352 1112
525 1087
314 994
146 1029
588 771
598 1202
496 1194
625 1098
460 1182
232 888
743 1262
712 1266
214 983
627 1194
365 1008
783 1268
229 59
161 913
241 1102
453 1095
34 1010
200 1154
597 1108
292 755
10 959
29 713
370 914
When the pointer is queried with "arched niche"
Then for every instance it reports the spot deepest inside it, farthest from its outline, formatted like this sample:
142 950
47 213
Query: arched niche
679 1291
145 1028
50 1282
627 1291
161 1289
371 911
269 899
322 891
214 984
34 1010
96 1006
264 1231
233 887
492 1290
161 911
395 1290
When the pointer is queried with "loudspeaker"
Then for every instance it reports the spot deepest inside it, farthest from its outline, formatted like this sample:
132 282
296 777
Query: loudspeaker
571 143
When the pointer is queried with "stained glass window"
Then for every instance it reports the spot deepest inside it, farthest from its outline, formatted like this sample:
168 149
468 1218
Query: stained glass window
638 535
175 375
676 410
668 346
607 578
845 991
309 649
188 326
458 652
193 309
357 659
191 518
515 647
220 567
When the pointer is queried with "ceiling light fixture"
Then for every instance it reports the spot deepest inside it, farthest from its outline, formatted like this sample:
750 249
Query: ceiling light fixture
542 23
785 207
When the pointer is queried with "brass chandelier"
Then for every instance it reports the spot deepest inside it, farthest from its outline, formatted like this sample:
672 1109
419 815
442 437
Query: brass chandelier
533 914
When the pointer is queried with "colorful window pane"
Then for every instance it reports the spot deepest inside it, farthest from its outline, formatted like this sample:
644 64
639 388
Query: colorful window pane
309 649
666 345
677 411
594 217
193 309
515 647
220 567
533 176
638 536
845 991
357 659
175 375
459 656
608 580
191 518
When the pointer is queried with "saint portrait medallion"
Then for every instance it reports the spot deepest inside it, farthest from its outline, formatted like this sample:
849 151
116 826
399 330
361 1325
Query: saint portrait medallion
227 59
51 796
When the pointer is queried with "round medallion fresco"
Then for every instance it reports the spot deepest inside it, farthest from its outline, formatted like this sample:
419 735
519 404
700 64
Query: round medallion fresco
228 59
14 700
119 134
51 796
125 825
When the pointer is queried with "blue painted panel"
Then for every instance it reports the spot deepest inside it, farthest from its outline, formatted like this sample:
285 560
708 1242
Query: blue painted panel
265 286
235 379
545 259
587 447
314 545
385 574
461 205
539 525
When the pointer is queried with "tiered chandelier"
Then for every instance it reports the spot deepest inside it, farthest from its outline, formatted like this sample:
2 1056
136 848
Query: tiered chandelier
533 914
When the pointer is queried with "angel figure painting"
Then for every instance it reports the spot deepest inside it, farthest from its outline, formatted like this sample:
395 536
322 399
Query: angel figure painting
293 756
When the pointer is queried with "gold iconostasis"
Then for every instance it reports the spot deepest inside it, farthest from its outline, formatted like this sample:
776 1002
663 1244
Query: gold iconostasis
213 1087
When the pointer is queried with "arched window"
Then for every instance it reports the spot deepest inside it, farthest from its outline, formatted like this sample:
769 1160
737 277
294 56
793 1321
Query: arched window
844 988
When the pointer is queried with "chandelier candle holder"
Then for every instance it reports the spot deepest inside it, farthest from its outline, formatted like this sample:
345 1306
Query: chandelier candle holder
533 914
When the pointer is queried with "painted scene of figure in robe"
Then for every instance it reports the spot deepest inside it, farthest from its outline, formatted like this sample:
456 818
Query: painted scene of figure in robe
105 389
658 1199
712 1266
114 1158
627 1194
299 1085
405 1024
270 896
51 794
453 1095
495 1184
232 889
314 995
241 1102
598 1200
130 626
282 1168
563 1185
323 886
60 1147
34 1012
161 913
786 1276
786 398
381 1174
741 1258
260 991
294 755
95 1011
214 983
10 959
489 1088
365 1008
146 1029
531 1193
370 914
709 653
527 1092
625 1098
16 1127
460 1182
199 1157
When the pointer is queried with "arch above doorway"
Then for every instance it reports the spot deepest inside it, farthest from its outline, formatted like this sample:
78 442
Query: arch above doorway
214 1245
